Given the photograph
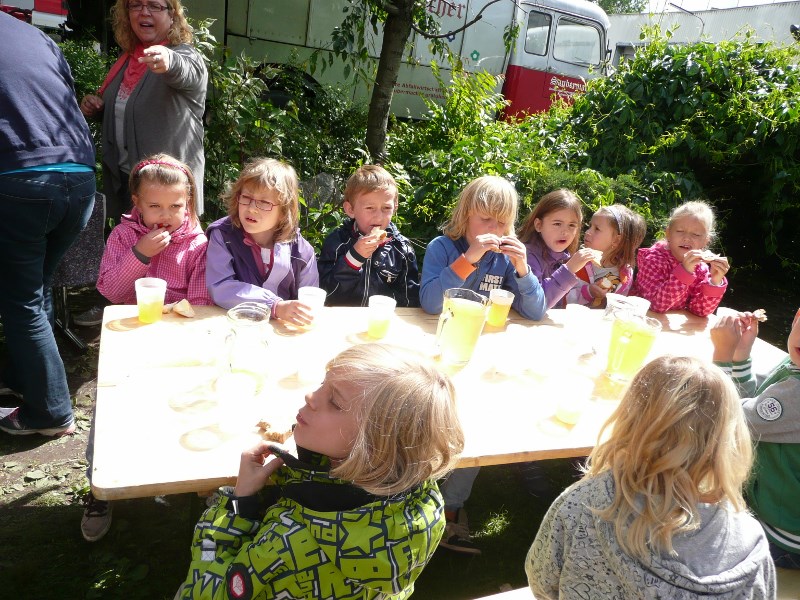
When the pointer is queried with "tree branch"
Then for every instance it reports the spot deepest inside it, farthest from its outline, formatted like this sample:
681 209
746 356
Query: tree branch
478 17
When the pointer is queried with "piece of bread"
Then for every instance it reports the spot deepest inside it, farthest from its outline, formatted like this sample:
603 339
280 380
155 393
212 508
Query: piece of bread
597 257
708 256
272 433
381 233
605 283
167 308
760 315
183 308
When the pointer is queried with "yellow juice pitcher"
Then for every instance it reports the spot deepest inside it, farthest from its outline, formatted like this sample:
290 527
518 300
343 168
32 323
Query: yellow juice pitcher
460 325
632 337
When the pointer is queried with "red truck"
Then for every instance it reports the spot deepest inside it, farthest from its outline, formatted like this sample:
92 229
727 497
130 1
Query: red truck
48 15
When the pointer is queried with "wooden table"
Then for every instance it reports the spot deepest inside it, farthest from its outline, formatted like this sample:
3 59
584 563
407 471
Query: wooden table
161 428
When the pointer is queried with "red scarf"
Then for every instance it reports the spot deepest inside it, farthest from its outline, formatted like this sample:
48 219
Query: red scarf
133 73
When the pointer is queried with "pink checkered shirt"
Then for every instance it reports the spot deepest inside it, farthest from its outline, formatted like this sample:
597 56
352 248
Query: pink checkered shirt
182 264
663 280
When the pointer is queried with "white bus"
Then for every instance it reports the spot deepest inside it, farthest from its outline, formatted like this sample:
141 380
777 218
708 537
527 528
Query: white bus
561 44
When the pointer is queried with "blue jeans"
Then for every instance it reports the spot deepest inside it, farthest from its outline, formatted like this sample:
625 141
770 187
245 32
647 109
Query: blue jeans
458 486
41 214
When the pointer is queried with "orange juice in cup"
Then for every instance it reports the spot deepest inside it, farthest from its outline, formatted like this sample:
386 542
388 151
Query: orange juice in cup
460 325
500 304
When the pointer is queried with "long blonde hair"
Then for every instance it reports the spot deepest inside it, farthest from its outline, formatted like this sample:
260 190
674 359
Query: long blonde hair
409 430
268 173
180 32
489 195
678 438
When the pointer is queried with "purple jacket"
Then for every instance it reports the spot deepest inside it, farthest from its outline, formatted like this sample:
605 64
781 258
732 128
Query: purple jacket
549 268
232 275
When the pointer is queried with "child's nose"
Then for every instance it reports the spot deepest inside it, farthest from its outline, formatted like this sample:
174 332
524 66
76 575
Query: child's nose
310 400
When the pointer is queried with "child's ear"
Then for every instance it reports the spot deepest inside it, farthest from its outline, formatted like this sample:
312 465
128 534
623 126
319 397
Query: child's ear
348 209
537 225
135 200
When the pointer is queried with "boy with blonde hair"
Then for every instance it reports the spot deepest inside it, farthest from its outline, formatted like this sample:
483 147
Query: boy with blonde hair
360 511
367 255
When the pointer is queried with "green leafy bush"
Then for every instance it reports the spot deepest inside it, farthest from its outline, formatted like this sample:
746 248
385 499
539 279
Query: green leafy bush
462 140
722 119
89 68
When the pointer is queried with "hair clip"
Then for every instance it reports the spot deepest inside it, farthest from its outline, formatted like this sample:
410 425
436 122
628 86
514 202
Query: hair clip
147 163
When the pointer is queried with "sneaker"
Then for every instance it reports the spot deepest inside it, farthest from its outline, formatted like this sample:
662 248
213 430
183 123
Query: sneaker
11 424
89 318
456 535
96 519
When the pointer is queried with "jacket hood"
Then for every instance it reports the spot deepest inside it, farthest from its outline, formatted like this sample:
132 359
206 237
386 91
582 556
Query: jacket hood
737 546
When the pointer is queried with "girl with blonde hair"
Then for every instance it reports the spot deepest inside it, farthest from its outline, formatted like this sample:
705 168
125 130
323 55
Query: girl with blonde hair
256 253
679 272
360 512
659 512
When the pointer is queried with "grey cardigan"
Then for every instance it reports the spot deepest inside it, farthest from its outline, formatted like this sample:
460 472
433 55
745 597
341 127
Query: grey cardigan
164 114
576 555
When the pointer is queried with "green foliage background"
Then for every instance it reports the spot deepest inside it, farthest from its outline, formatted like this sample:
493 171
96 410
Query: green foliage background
715 121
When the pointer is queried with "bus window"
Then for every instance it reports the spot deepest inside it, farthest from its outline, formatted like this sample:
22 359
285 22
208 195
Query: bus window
577 42
538 33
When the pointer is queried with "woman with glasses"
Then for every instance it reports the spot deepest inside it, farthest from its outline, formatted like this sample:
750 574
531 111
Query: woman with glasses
152 99
256 253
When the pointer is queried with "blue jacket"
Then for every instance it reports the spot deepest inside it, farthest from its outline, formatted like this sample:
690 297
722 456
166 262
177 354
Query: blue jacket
494 271
350 279
40 122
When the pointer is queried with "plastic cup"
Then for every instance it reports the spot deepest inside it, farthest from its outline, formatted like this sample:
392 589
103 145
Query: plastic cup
635 304
381 309
573 398
576 324
460 325
632 337
150 292
500 304
313 297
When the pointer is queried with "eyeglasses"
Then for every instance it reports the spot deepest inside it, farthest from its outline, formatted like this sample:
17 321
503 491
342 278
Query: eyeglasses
264 205
153 7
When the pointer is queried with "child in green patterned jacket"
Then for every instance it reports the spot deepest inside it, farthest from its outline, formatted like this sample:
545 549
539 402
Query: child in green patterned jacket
360 512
